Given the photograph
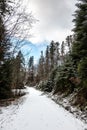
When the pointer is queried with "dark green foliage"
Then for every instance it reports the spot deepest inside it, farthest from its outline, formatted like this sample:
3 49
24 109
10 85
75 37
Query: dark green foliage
82 68
62 80
5 80
30 79
47 58
41 67
59 79
49 86
79 50
17 69
4 41
52 49
31 62
50 83
46 86
69 41
62 48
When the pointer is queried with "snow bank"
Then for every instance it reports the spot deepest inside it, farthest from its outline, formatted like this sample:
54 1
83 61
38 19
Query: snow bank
66 102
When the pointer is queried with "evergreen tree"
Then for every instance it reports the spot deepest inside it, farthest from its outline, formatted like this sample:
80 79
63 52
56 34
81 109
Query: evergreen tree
5 80
41 66
5 89
52 49
30 79
56 54
62 49
47 62
18 71
69 41
79 50
4 41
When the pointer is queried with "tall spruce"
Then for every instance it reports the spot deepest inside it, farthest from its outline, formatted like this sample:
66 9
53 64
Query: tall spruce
69 41
56 54
30 79
47 62
5 89
79 50
19 69
62 49
41 66
52 49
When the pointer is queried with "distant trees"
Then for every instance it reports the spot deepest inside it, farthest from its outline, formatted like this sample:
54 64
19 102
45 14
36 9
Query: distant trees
62 49
69 42
47 62
52 49
41 71
55 66
18 71
30 77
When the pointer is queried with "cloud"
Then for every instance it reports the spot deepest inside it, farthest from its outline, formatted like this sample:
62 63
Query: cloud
55 19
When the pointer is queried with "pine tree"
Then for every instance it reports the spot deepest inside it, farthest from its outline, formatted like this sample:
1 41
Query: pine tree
56 54
52 49
41 66
18 71
5 89
62 49
30 79
79 50
47 62
4 41
69 41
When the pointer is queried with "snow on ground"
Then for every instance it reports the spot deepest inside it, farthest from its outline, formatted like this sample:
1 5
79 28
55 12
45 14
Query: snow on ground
37 112
67 102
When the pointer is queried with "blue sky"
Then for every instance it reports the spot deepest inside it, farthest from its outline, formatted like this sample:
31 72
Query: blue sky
30 49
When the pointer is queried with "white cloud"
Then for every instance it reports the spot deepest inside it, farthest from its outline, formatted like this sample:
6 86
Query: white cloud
55 19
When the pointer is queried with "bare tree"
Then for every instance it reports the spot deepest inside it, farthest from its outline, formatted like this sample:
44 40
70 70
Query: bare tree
18 24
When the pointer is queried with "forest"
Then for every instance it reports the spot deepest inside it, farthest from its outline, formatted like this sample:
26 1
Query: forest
12 35
61 70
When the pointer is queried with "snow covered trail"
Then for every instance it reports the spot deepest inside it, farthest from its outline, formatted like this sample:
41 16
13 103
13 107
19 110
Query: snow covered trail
37 112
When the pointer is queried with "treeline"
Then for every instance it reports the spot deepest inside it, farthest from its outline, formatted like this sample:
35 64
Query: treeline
56 68
63 69
12 63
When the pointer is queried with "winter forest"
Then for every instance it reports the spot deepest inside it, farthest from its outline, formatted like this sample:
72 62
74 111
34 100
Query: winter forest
60 73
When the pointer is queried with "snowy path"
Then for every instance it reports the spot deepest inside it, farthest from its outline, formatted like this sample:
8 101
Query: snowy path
37 112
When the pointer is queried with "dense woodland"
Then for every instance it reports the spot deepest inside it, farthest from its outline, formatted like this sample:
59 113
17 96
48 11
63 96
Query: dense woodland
12 62
63 67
